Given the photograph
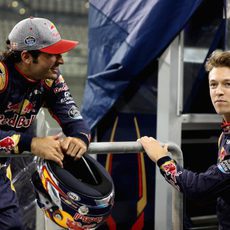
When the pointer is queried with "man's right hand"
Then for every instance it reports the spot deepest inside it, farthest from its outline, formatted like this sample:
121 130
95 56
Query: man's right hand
153 148
48 148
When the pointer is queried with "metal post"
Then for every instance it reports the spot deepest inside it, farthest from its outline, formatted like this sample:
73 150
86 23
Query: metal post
169 126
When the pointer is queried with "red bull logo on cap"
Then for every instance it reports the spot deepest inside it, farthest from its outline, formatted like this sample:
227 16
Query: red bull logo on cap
54 31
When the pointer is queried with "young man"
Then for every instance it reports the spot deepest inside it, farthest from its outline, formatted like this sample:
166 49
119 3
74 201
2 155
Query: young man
215 182
29 79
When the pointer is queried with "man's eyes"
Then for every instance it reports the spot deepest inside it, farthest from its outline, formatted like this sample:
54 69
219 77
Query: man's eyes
214 84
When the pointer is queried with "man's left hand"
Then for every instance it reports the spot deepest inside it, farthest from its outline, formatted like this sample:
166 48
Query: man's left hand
73 147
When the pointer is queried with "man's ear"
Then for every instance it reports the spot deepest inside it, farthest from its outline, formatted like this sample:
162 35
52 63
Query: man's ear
26 57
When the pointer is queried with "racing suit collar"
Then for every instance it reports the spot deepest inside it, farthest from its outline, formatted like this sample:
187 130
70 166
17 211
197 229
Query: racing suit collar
25 76
225 126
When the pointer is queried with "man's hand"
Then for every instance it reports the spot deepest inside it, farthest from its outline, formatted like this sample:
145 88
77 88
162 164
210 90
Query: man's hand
48 148
73 147
153 148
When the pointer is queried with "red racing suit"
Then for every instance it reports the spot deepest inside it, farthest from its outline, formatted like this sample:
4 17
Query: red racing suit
21 99
215 182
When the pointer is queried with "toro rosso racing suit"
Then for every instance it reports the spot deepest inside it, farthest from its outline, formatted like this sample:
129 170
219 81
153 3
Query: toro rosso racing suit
215 182
21 98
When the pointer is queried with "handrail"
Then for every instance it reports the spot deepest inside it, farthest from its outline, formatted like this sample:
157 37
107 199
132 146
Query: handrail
111 147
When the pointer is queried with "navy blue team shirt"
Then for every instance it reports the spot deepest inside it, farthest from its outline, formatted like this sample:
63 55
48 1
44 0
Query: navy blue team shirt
213 183
21 99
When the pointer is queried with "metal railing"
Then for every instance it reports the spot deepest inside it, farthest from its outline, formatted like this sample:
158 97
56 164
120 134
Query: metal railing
114 147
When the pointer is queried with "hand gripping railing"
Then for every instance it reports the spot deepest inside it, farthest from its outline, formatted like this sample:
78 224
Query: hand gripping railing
134 147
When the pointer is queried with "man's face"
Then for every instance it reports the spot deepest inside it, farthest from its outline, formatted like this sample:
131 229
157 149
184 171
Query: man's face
219 87
46 66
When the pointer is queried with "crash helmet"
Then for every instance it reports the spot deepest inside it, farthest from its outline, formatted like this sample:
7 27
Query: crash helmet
78 196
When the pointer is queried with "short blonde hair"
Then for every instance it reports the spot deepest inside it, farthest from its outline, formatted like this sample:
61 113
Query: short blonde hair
218 58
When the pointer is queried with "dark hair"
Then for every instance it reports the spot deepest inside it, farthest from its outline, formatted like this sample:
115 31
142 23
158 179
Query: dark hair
15 56
218 58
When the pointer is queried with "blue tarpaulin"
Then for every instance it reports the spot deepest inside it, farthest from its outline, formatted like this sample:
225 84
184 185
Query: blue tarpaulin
124 37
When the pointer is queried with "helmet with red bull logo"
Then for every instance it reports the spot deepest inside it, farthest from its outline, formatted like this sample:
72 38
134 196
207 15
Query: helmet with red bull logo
78 196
